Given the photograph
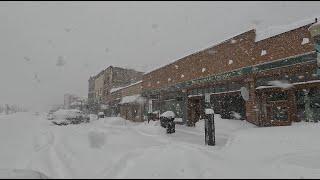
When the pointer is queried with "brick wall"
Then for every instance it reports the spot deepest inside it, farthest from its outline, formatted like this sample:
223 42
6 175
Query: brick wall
237 52
132 90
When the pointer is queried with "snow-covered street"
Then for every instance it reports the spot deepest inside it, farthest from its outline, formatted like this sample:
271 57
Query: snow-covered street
114 148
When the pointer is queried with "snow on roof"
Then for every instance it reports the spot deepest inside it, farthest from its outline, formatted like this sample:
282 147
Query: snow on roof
194 51
132 99
280 84
76 103
271 31
115 89
314 25
168 114
119 88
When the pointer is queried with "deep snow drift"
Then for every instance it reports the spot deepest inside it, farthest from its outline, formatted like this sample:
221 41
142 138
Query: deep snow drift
115 148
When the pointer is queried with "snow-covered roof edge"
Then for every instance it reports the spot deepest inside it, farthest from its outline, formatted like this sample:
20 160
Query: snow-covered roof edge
272 31
132 99
120 88
193 52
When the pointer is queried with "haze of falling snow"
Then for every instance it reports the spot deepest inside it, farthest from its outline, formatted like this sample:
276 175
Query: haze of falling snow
48 49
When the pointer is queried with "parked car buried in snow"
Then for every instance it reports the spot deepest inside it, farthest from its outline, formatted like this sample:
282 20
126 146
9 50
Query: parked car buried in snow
70 116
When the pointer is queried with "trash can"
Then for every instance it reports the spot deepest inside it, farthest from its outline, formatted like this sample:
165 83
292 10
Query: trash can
164 121
171 126
167 121
101 115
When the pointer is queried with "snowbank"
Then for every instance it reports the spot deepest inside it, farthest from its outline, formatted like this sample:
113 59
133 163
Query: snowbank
116 148
21 174
119 88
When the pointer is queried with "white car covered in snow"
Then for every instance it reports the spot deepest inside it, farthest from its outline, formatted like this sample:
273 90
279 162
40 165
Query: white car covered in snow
69 116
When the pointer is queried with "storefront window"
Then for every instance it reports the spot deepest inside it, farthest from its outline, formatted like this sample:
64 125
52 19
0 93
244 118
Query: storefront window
308 104
279 96
280 113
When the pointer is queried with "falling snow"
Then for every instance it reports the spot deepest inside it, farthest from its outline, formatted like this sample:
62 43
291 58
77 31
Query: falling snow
305 41
61 61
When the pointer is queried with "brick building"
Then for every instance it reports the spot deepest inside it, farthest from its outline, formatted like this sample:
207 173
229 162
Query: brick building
91 94
244 63
100 86
130 103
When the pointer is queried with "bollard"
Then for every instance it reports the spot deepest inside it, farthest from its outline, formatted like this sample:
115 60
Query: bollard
210 138
210 128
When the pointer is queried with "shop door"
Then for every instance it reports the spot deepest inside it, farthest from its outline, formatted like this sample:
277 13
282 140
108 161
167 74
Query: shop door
195 110
278 107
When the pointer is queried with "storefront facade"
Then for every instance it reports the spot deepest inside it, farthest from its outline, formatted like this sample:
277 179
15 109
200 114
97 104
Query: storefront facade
128 102
242 63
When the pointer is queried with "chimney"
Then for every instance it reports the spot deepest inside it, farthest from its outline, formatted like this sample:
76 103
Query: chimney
316 19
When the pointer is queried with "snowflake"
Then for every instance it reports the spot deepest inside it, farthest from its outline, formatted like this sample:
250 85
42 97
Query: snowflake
203 69
305 41
230 61
182 76
176 66
169 79
211 52
158 82
263 52
233 41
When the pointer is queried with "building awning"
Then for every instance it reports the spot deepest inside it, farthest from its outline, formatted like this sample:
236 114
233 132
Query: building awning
296 83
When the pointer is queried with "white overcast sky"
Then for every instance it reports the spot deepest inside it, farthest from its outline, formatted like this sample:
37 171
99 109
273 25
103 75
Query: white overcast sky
89 36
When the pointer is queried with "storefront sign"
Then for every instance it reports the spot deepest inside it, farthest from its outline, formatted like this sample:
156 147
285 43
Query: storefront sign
311 57
244 93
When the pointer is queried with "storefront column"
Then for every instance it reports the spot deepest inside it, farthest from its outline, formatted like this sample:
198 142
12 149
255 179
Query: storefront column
292 106
185 107
251 105
161 98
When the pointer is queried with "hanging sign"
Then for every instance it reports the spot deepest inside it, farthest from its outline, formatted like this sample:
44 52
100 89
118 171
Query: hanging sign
244 93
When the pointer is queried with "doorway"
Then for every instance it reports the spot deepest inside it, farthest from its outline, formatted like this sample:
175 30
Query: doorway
274 107
195 110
